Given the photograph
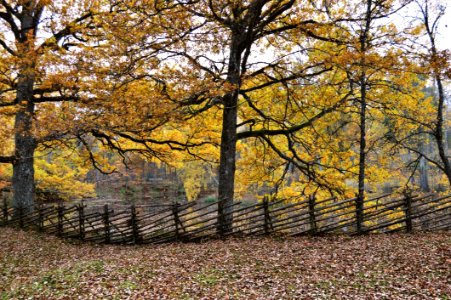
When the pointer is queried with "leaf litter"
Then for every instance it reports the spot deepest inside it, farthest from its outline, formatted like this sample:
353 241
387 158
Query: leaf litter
396 266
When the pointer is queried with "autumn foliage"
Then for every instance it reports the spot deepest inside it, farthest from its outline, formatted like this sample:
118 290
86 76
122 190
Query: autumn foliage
278 97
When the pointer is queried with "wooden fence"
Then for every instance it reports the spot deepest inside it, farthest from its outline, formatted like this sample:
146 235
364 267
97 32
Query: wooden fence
193 221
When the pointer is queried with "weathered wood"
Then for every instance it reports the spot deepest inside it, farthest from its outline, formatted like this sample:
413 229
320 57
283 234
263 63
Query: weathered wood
195 216
295 218
212 226
387 210
180 223
157 233
183 207
5 212
40 218
142 218
73 223
291 222
318 210
60 219
267 224
32 219
404 219
157 224
408 211
338 225
81 221
121 234
275 214
134 225
177 223
311 206
368 216
54 213
21 216
106 223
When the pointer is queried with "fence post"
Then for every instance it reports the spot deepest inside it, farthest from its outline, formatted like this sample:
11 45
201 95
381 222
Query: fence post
20 208
60 210
221 220
81 221
5 212
359 214
134 224
267 217
106 222
40 218
408 210
175 212
312 217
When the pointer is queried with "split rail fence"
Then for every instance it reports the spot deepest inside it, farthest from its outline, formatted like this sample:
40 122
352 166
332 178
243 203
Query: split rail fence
193 221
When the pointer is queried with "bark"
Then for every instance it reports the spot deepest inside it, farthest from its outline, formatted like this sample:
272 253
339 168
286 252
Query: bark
439 135
23 167
6 159
439 131
227 165
25 144
363 105
362 158
244 28
227 161
423 169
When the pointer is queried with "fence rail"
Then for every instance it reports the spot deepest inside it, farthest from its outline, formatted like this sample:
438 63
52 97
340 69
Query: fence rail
194 221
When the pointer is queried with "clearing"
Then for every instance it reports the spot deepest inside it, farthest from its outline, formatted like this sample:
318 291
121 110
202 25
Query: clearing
397 266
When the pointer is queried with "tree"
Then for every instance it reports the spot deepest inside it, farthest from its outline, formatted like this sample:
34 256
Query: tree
285 79
230 76
426 118
438 65
374 64
65 68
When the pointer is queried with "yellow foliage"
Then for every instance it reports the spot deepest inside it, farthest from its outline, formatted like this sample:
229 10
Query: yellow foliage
63 173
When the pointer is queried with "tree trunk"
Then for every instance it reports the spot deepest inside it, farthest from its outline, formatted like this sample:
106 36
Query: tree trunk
227 161
227 164
362 157
439 128
439 131
363 104
423 169
25 144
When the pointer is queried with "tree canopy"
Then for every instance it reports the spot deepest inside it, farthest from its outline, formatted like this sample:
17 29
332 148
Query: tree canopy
282 96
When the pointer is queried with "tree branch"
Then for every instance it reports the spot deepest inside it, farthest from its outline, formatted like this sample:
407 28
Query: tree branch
92 158
7 159
7 16
8 49
62 98
288 78
308 123
56 37
5 104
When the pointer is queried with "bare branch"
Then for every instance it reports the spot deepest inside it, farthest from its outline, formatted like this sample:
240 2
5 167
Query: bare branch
7 159
308 123
7 48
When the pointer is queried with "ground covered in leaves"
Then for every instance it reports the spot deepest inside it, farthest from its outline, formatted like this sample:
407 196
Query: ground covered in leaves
417 266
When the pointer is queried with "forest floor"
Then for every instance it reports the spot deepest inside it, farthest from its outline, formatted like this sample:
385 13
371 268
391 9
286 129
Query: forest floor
401 266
